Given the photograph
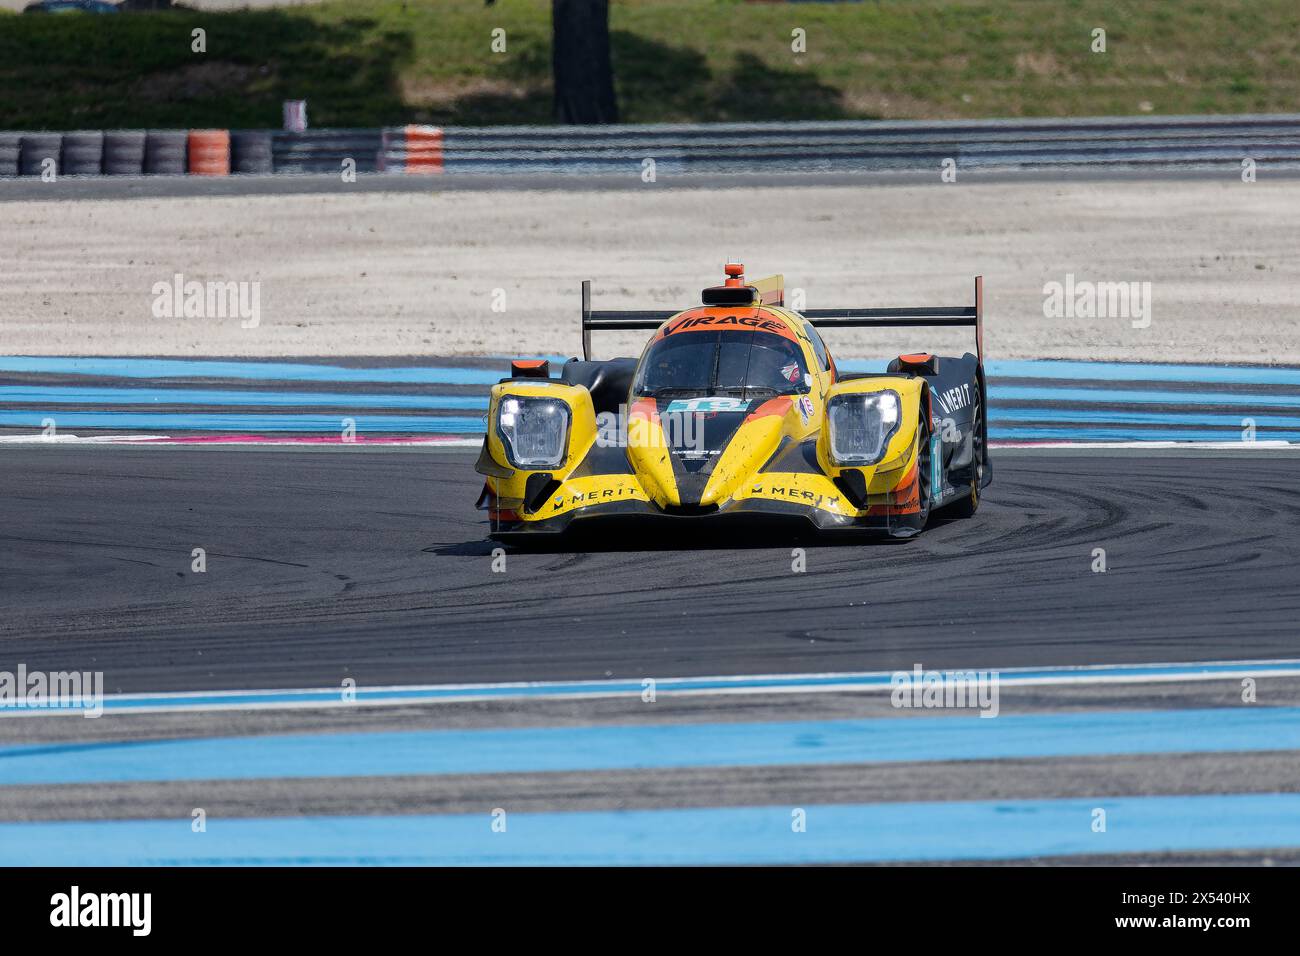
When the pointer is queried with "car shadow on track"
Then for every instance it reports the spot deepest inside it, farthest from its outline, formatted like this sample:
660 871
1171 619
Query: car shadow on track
622 539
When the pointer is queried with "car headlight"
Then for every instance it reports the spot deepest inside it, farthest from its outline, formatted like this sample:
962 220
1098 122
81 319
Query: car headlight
861 425
535 431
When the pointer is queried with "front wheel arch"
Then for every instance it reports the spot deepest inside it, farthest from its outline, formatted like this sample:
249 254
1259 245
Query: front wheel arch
968 504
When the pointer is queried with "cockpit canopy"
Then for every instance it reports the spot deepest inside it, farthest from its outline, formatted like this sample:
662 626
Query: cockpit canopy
728 361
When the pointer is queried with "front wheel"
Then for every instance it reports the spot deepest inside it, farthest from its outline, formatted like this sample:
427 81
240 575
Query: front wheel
966 506
924 470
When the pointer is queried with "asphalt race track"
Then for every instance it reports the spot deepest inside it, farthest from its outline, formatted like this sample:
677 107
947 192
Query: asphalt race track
372 564
340 562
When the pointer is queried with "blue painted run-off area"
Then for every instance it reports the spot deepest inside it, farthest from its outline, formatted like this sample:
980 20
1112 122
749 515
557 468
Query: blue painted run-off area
843 833
545 749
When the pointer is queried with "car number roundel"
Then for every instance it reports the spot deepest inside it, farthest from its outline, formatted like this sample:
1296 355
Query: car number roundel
708 404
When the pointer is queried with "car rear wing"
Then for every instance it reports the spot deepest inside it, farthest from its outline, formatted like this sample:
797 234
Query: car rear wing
937 316
613 321
943 316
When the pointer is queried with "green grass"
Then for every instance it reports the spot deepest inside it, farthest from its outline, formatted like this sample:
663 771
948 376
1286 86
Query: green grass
377 62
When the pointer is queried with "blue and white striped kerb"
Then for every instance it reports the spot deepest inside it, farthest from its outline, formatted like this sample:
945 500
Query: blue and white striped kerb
1031 402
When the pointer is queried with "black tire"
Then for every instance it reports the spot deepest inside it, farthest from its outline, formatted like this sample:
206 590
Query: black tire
968 505
250 152
923 469
10 149
83 154
124 152
166 152
35 149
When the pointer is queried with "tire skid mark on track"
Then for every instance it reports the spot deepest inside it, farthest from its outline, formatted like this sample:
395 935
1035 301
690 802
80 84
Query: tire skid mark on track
1013 582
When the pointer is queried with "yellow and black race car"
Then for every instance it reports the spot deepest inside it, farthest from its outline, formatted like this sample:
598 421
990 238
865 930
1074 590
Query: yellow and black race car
736 408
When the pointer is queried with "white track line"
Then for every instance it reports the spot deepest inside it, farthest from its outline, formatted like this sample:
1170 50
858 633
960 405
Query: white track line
167 441
859 682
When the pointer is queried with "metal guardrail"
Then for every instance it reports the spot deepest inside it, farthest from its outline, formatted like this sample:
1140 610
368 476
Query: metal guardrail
869 145
324 150
841 146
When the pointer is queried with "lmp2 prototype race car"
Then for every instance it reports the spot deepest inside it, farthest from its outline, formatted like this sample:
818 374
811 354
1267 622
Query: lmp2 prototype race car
736 409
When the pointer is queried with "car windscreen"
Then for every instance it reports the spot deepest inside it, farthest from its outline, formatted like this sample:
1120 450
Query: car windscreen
707 361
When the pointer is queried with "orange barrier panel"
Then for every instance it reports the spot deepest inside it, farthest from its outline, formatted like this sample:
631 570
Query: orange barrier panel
210 152
423 150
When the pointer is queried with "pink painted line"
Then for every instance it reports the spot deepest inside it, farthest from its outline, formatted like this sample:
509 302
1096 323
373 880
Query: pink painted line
447 439
1105 445
303 440
1058 443
156 441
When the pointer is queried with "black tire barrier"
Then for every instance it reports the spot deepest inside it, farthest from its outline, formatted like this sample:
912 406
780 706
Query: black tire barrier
36 148
250 151
124 152
10 147
166 152
83 154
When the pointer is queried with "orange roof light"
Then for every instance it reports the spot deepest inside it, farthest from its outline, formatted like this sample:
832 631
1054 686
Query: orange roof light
735 272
